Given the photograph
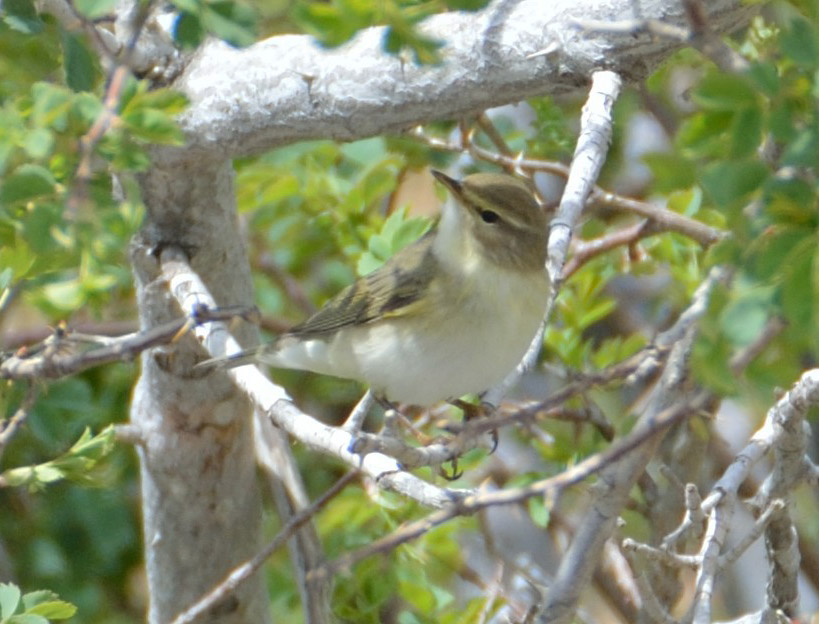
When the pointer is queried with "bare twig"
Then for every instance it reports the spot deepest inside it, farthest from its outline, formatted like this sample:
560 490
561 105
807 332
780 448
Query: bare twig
715 535
241 573
9 427
57 357
754 534
548 488
585 250
359 413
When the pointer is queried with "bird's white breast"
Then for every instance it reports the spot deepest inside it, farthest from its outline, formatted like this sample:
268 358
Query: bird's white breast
446 354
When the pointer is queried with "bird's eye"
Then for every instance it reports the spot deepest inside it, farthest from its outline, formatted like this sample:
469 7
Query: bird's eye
489 216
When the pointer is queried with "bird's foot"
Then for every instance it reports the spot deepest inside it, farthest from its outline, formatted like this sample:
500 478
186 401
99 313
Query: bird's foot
472 411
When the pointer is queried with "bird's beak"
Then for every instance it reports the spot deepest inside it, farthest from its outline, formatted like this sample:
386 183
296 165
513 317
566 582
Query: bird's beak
451 183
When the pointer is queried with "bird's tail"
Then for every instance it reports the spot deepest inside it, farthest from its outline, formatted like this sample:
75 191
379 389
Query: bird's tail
240 358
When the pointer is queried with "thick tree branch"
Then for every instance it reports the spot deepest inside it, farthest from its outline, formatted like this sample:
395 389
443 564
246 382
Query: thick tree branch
289 89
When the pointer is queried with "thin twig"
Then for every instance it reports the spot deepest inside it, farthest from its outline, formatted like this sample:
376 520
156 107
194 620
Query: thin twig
57 357
547 488
10 427
244 571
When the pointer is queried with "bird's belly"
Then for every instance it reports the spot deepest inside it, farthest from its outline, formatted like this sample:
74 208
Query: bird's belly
451 355
444 355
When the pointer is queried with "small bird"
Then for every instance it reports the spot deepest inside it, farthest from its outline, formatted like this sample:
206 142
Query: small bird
448 315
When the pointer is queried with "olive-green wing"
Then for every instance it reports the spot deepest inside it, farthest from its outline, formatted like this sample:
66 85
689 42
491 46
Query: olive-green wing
391 290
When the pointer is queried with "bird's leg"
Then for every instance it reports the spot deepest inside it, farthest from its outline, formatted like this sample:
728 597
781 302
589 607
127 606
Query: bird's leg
394 417
471 411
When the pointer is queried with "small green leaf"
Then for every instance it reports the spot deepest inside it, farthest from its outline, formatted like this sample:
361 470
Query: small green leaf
54 610
188 31
670 171
31 599
94 9
803 151
703 134
9 599
800 43
27 182
51 105
467 5
598 311
746 132
730 181
797 287
21 16
725 92
77 62
154 126
766 77
743 318
64 296
230 21
538 512
39 143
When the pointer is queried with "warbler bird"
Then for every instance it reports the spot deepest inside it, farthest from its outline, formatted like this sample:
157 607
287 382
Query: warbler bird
451 314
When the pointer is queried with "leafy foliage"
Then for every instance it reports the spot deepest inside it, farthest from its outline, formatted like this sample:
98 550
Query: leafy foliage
37 607
743 158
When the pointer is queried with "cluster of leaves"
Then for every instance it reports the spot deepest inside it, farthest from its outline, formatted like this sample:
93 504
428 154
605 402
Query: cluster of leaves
37 607
748 155
66 256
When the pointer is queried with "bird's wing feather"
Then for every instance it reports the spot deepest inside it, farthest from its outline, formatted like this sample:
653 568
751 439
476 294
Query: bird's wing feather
394 289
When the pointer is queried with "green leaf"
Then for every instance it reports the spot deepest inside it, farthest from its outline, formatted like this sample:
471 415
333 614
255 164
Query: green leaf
598 311
467 5
725 92
77 62
65 296
731 181
768 253
75 464
746 132
154 126
790 201
766 76
538 511
188 30
670 171
743 318
797 287
26 183
51 105
54 610
333 23
94 9
39 143
167 101
230 21
21 16
31 599
9 599
800 43
803 151
703 134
